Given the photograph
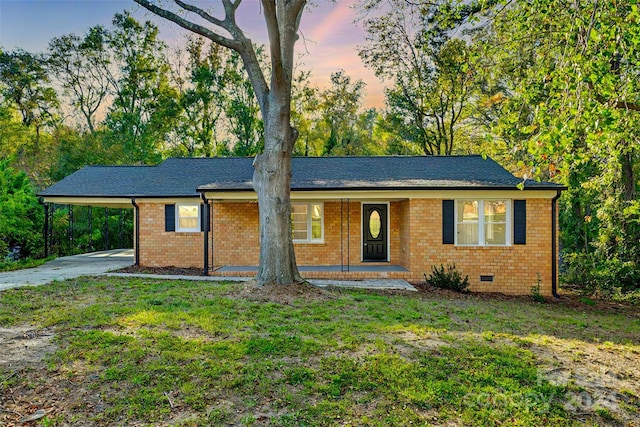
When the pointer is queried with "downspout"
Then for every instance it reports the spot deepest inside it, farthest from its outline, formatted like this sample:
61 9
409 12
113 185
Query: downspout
205 212
136 238
554 246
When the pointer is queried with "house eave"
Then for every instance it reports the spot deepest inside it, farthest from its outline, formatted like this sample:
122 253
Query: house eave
389 194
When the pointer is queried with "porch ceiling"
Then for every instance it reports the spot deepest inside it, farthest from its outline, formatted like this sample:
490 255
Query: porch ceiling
105 202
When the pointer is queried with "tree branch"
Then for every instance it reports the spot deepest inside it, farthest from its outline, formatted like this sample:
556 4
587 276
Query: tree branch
238 42
196 28
270 15
202 13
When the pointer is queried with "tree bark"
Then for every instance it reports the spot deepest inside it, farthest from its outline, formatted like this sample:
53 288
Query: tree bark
272 183
628 177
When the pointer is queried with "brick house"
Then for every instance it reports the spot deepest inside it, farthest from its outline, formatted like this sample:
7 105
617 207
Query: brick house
352 217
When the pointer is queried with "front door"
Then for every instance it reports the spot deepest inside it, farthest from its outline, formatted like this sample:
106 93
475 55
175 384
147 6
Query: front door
374 232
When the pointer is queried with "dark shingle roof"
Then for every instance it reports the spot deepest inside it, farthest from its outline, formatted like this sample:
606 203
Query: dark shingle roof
182 177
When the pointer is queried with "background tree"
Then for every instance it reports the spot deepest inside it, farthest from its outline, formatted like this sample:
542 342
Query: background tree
272 176
245 127
27 87
79 64
144 107
432 73
339 106
203 96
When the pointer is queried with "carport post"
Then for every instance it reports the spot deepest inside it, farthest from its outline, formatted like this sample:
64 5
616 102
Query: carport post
70 229
106 228
46 230
120 226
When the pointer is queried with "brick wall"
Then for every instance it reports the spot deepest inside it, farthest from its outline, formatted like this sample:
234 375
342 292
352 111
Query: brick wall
236 233
415 243
159 248
514 268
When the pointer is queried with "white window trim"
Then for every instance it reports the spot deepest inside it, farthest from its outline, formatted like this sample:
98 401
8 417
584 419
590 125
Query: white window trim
310 239
188 230
481 223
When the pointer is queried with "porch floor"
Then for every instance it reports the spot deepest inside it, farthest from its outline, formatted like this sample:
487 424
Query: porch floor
320 269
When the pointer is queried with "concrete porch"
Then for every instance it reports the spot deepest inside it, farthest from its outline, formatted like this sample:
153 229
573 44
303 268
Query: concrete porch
342 272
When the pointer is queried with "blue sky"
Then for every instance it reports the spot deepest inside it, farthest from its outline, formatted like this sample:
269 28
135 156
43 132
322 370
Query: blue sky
330 34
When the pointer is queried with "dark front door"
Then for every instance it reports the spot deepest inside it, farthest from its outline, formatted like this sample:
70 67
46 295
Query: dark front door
374 230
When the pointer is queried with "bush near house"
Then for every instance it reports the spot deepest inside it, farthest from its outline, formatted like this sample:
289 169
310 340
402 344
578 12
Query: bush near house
448 278
21 216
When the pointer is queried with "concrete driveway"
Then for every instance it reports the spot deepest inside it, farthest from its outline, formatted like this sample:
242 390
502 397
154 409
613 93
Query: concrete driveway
68 267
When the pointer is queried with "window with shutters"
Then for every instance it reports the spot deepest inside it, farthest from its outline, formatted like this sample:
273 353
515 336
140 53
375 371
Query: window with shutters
483 222
188 218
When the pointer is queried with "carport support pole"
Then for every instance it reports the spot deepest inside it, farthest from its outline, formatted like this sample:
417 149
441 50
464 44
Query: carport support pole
70 229
46 230
90 217
205 229
106 229
120 230
136 238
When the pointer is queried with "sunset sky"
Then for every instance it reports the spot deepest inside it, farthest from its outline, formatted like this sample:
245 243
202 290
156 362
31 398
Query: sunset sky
329 43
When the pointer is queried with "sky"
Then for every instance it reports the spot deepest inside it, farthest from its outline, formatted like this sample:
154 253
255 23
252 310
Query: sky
329 41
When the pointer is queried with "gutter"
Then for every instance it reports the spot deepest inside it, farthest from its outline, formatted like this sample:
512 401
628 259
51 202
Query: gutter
554 246
205 229
137 234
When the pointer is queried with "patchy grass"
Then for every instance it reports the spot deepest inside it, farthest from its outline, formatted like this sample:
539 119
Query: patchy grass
23 263
182 353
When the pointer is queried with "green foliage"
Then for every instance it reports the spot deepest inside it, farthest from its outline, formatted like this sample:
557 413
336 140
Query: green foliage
592 274
23 263
21 216
448 278
26 85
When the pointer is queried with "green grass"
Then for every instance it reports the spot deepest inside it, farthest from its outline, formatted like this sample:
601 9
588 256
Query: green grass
196 353
23 263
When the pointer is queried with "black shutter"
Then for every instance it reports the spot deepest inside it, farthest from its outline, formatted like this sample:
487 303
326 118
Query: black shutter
448 226
519 222
169 217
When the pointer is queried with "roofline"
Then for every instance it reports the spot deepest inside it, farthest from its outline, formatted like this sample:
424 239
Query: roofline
412 188
121 196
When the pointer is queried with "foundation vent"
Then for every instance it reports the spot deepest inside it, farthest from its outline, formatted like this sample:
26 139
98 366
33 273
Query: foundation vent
487 278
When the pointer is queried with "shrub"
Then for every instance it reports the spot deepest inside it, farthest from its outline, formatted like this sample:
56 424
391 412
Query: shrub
447 278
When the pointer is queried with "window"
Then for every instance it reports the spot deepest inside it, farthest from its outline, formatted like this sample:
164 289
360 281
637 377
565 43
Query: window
483 222
307 222
187 218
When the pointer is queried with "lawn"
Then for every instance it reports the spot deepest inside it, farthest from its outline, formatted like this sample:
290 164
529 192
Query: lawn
112 351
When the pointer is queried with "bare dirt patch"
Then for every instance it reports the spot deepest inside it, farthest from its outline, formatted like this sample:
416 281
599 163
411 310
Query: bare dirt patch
600 376
174 271
24 346
283 294
22 353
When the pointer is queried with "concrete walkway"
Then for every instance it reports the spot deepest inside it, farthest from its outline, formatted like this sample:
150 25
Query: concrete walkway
101 263
69 267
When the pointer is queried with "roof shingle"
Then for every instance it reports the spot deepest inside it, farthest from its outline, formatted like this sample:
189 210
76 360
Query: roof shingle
184 177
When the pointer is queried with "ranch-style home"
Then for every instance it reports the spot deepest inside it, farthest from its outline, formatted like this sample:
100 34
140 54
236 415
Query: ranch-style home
352 217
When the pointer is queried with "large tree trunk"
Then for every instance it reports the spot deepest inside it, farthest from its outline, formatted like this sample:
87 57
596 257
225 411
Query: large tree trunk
272 182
